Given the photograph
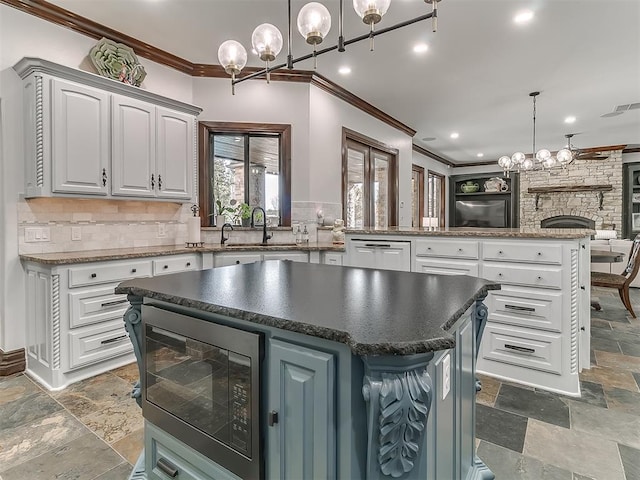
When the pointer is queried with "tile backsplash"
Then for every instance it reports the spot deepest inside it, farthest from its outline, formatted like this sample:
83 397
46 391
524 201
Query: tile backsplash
101 224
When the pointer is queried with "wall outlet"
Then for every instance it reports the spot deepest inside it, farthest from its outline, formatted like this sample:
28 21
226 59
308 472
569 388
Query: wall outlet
46 234
162 231
76 234
446 375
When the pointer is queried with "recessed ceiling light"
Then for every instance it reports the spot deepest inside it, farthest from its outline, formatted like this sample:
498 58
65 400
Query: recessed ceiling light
344 70
523 17
480 155
420 47
570 119
454 135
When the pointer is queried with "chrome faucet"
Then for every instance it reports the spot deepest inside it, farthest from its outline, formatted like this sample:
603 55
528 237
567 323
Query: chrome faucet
265 237
224 239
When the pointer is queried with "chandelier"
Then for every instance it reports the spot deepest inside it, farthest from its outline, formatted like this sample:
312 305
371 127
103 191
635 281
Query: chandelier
314 23
543 159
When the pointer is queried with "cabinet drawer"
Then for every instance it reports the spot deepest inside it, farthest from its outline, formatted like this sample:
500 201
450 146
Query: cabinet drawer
527 308
108 273
293 256
523 252
446 267
96 305
175 264
447 248
536 276
99 342
223 259
522 347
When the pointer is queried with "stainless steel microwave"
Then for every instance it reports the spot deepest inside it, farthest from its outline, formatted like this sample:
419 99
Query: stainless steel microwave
201 384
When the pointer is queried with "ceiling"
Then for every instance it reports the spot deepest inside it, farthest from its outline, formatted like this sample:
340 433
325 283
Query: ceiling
475 79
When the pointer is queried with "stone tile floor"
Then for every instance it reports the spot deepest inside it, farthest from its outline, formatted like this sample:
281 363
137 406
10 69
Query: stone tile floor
93 429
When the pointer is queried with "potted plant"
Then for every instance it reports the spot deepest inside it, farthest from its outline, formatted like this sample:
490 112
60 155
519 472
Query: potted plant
221 218
241 214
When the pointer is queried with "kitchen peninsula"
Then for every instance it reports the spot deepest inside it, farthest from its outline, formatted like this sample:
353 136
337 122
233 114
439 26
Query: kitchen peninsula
349 372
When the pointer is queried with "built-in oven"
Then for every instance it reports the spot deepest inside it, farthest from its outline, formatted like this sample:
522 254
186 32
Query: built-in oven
202 385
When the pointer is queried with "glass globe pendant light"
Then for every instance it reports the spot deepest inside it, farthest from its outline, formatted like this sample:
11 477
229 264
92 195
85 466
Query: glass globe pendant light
233 57
267 42
371 12
314 22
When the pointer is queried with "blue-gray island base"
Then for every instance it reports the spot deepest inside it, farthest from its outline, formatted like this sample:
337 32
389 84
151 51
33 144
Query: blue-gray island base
363 374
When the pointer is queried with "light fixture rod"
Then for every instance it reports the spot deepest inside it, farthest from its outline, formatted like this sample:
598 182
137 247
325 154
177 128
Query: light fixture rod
289 54
341 27
334 47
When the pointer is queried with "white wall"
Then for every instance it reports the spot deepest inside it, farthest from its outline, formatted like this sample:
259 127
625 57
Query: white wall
429 164
23 35
256 101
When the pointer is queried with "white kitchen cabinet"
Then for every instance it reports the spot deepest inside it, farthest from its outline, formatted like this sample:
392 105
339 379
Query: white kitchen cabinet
87 135
79 140
237 258
332 258
75 326
152 150
382 254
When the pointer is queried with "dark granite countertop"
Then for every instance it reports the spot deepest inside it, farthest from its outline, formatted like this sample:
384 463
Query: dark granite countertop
86 256
372 311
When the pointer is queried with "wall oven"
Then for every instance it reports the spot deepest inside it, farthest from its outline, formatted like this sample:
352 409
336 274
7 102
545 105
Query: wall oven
201 384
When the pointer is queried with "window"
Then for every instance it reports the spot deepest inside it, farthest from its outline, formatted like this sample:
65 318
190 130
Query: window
435 197
369 182
248 163
417 195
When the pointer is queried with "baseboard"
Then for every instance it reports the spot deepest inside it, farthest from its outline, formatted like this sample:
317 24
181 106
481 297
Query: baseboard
12 362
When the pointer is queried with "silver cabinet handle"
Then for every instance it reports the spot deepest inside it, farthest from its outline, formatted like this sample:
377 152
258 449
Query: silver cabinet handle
519 349
378 245
113 340
167 467
115 302
518 307
159 182
272 418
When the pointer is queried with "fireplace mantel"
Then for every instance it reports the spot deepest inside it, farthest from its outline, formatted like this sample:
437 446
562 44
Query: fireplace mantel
570 188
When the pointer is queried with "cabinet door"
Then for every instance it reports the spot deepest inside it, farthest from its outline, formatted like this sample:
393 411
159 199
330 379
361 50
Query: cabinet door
134 147
176 153
362 254
301 390
395 256
80 139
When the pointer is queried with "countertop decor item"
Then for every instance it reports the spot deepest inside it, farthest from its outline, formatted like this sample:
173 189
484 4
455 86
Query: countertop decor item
117 61
496 184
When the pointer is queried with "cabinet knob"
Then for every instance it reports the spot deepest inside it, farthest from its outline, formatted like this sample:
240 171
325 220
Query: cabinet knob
500 252
460 250
539 278
539 254
94 275
134 270
153 182
165 267
499 274
188 264
237 262
104 177
159 182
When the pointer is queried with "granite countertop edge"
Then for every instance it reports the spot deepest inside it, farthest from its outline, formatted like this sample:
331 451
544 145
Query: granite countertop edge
444 342
552 233
88 256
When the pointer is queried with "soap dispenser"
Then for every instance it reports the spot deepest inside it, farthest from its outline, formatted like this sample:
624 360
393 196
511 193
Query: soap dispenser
305 234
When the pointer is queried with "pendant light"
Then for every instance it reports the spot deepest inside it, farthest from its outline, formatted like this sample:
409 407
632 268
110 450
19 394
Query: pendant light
267 42
371 12
314 22
233 57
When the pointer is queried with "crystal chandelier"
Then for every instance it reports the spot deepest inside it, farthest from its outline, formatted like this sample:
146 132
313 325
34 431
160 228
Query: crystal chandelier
314 23
543 159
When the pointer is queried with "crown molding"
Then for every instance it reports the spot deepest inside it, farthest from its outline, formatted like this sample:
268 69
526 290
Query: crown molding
434 156
631 150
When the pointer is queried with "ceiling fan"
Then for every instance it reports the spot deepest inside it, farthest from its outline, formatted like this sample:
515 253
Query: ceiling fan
593 153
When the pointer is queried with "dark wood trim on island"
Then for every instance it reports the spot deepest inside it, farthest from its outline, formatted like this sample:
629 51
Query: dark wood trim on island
11 362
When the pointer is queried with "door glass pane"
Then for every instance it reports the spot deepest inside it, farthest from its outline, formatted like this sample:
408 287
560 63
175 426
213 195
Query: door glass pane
434 196
227 171
380 178
264 176
355 188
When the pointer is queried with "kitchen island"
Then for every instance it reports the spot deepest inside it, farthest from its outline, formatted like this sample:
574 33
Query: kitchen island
354 373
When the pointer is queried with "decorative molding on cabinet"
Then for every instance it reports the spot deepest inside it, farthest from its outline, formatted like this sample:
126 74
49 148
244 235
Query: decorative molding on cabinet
55 320
574 311
29 65
39 133
398 393
12 362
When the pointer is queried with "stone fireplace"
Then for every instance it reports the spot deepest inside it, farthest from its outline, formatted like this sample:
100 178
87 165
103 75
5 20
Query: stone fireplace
591 199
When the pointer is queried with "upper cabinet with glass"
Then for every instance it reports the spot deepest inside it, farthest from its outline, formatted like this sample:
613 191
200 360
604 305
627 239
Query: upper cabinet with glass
86 135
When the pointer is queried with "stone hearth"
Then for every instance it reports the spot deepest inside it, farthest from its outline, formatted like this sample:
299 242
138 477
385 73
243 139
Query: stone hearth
586 204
